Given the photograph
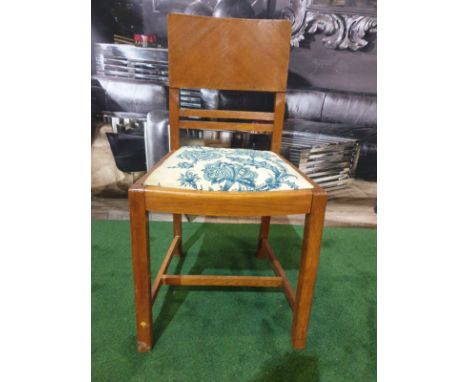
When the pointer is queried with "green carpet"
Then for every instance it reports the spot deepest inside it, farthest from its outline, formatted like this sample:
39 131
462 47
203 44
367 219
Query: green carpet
206 334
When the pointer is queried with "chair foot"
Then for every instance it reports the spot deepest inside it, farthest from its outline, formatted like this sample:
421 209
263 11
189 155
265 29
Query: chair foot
144 347
299 344
264 230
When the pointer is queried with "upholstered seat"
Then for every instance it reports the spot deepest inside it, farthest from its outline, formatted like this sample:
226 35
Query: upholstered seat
217 169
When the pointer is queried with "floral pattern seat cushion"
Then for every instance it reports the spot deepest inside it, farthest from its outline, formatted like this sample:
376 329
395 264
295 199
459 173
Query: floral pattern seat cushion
216 169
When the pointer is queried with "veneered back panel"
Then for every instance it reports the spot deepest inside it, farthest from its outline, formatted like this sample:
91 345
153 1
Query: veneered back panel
228 54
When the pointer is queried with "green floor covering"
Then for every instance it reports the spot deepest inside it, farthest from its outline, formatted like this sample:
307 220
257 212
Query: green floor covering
206 334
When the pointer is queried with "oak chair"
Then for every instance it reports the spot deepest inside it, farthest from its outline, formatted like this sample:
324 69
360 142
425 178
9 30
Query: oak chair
226 54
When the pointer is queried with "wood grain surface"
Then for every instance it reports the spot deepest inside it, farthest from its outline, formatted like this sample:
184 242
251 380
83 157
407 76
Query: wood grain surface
228 54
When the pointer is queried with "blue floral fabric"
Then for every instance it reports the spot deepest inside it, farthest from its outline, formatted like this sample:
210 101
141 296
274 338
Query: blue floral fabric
216 169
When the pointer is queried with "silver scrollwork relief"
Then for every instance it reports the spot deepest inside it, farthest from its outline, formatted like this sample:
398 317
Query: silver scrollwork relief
296 14
341 31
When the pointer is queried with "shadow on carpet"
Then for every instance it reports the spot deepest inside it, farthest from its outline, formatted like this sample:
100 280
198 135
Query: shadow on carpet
241 334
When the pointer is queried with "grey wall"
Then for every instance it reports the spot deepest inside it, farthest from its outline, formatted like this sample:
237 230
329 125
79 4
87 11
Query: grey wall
319 67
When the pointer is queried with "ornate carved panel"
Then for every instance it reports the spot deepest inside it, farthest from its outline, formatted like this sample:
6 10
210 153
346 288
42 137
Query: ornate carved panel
341 29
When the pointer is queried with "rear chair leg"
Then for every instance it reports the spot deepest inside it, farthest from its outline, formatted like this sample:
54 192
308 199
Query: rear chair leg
308 270
177 225
141 268
264 229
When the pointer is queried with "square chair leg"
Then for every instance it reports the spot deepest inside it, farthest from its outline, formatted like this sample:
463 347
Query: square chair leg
308 270
141 268
264 230
177 231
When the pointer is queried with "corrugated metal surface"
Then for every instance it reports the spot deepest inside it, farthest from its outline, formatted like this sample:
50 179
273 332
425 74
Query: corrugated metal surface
328 160
141 64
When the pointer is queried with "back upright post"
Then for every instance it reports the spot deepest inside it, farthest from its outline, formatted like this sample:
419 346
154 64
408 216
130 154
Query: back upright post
174 118
280 103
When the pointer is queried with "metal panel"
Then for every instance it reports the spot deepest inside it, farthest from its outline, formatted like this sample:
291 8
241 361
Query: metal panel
149 65
328 160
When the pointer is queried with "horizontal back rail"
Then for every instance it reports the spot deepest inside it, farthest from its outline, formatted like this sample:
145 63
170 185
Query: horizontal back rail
237 126
228 114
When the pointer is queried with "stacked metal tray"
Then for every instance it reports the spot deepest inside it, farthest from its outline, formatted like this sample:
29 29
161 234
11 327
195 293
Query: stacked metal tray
328 160
128 61
140 64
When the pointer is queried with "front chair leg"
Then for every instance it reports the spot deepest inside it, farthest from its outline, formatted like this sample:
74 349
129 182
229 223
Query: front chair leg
177 231
308 270
141 268
264 230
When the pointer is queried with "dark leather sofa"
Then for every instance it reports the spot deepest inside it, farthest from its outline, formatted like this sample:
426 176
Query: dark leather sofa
330 112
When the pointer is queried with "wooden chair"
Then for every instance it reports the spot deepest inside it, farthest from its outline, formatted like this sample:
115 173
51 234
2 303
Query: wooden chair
230 54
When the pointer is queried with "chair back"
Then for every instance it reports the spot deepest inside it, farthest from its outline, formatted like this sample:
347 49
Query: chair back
227 54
